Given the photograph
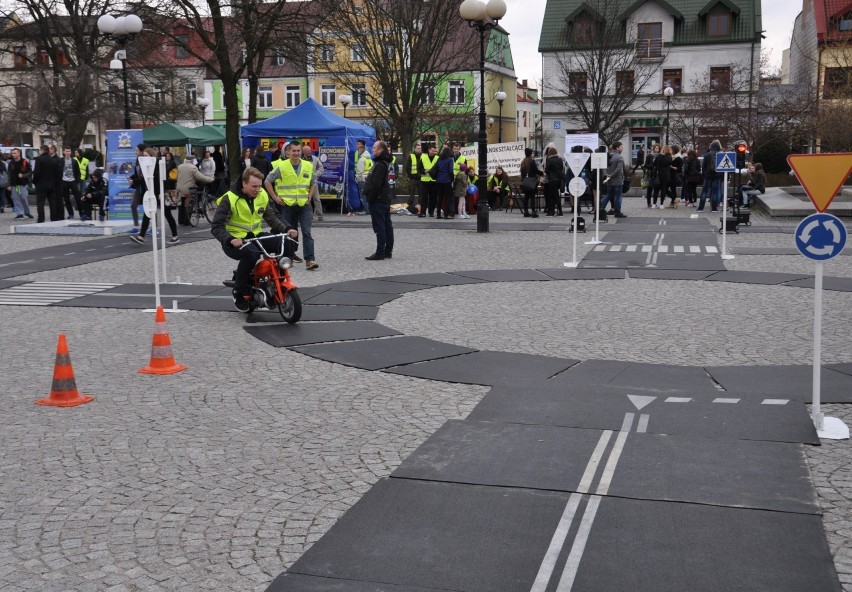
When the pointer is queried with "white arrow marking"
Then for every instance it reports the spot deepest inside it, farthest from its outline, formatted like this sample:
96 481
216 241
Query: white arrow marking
827 250
806 231
640 401
835 231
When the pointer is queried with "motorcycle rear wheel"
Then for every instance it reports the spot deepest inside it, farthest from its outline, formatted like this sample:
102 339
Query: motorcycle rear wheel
291 308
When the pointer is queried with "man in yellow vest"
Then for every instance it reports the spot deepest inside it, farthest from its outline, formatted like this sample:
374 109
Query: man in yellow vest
458 159
83 163
363 166
289 184
415 171
240 215
428 185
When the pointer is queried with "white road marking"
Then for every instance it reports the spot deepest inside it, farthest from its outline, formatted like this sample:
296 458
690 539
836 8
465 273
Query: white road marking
642 426
678 399
44 293
775 401
725 400
711 249
694 249
631 248
678 249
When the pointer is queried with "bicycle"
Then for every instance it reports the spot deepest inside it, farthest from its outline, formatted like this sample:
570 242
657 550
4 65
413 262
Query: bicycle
200 203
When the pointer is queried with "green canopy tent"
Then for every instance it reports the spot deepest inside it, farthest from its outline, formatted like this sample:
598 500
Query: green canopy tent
207 135
168 134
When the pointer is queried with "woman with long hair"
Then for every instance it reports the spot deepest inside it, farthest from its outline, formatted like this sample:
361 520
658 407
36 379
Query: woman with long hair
674 180
692 177
663 177
498 189
529 168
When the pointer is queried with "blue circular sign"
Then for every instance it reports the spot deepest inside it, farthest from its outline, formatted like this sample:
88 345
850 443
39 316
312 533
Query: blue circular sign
820 236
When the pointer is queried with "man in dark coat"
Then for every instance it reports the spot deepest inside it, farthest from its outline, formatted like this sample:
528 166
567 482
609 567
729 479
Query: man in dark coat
377 192
46 177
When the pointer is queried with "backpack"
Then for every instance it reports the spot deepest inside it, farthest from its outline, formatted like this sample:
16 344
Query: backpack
581 224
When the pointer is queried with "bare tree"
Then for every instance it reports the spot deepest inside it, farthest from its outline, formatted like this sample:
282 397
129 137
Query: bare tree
401 55
599 76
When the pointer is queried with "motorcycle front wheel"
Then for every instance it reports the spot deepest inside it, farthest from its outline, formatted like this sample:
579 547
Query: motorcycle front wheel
291 308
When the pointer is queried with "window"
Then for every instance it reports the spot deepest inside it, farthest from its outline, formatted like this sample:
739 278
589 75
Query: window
390 51
577 83
43 57
114 95
61 57
427 96
22 98
673 79
181 43
719 24
327 53
191 93
583 31
359 95
327 95
837 83
136 98
720 80
20 57
293 96
649 40
357 52
264 97
159 95
280 59
624 82
456 92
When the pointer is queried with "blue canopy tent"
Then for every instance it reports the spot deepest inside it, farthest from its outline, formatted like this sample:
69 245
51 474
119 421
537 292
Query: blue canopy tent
312 120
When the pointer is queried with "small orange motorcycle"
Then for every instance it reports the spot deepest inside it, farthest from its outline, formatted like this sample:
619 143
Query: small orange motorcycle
271 285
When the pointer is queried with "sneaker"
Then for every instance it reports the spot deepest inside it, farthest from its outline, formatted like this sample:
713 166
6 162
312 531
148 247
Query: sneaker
242 302
311 265
137 239
700 210
19 216
320 218
133 230
620 215
30 216
650 206
350 215
174 240
296 259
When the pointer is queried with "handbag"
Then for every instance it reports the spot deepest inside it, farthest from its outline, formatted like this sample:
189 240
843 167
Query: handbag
529 184
646 181
172 174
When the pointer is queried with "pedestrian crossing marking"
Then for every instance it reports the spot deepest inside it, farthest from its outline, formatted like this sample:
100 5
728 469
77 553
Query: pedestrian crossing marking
678 399
678 249
631 248
667 249
775 401
47 293
725 400
712 249
663 249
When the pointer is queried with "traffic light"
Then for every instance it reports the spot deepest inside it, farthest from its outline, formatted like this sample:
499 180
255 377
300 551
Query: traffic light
742 150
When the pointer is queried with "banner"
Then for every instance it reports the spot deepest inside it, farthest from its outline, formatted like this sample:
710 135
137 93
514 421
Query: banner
120 159
589 141
333 159
507 155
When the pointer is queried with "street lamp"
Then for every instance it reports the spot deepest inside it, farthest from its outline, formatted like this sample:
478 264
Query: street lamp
345 100
122 29
500 96
202 103
483 17
668 92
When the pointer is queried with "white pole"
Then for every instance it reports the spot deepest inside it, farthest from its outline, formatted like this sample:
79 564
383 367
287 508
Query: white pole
162 165
156 262
597 203
574 252
816 415
725 254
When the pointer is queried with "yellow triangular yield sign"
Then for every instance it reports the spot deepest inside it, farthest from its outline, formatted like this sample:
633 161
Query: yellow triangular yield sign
821 175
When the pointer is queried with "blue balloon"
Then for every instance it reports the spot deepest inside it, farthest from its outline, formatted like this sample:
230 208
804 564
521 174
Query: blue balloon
472 189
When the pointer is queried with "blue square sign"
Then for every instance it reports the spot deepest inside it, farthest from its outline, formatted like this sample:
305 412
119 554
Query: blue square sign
726 162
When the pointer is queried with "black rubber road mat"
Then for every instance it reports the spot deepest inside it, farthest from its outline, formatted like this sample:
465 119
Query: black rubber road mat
649 378
488 368
791 382
375 354
285 335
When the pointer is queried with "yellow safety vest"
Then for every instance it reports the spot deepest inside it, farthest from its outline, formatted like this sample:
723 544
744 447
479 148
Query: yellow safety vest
83 163
428 163
368 164
243 220
293 189
457 162
412 170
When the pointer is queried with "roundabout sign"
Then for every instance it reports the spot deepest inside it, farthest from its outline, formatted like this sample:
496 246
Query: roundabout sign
820 237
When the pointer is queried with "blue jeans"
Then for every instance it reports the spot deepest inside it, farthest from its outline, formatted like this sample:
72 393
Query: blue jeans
365 207
20 196
299 217
710 188
613 196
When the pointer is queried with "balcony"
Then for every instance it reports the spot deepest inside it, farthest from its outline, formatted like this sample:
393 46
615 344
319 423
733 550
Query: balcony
650 49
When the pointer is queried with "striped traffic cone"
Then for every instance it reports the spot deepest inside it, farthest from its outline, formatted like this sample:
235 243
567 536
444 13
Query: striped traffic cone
162 360
63 391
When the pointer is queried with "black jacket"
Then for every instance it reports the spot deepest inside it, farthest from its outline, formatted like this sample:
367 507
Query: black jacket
376 187
554 168
48 172
17 168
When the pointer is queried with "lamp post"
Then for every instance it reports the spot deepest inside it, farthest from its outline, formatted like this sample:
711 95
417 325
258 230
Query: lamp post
500 96
202 103
668 92
345 100
483 17
122 29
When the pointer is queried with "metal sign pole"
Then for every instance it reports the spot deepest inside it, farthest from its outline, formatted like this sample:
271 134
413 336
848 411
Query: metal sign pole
162 165
573 262
725 219
816 415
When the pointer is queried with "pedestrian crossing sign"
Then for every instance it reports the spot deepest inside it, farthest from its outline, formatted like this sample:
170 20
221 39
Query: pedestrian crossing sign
726 162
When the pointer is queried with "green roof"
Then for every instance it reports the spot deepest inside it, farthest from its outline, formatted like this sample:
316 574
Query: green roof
690 25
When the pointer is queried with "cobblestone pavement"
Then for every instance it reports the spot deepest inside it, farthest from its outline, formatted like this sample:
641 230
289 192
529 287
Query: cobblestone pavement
221 476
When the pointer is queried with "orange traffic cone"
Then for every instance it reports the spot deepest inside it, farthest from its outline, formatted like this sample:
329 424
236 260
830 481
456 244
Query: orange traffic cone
162 360
63 391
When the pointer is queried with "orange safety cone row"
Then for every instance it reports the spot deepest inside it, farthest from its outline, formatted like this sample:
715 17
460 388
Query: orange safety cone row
63 391
162 360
